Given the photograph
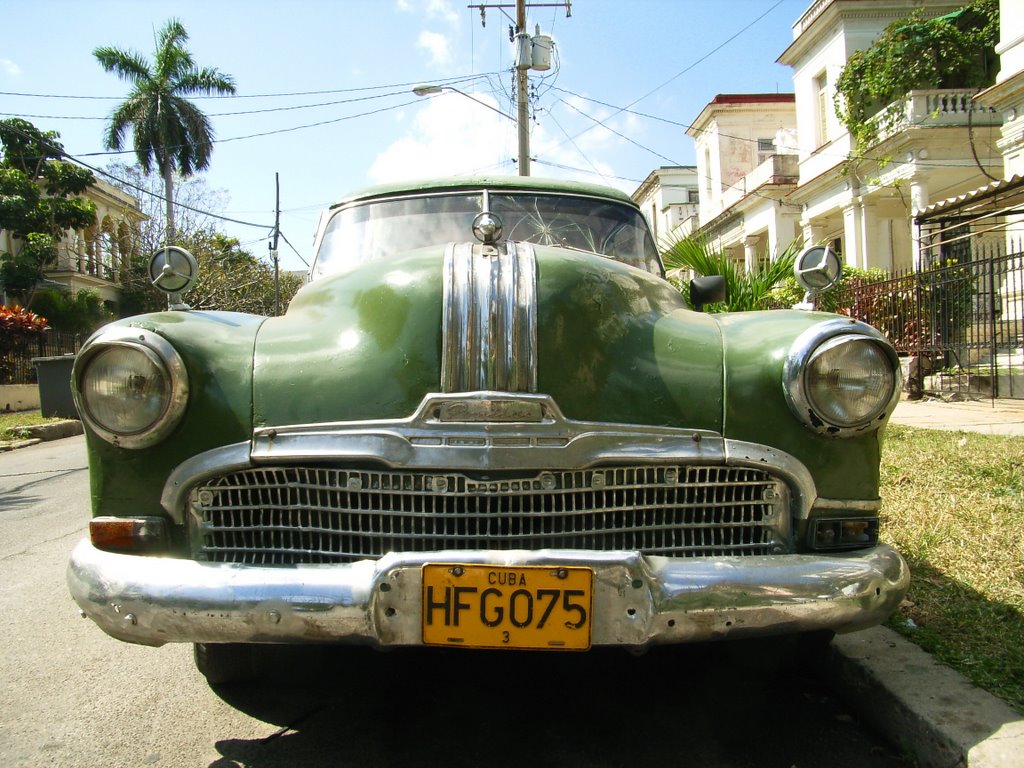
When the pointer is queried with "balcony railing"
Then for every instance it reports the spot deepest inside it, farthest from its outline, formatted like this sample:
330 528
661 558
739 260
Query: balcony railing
103 266
777 169
937 108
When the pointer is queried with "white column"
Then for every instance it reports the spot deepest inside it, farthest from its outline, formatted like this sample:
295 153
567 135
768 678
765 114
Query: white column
918 194
750 253
918 202
874 238
782 230
853 235
813 233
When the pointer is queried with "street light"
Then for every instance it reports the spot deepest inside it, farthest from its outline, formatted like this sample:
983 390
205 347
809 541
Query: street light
427 89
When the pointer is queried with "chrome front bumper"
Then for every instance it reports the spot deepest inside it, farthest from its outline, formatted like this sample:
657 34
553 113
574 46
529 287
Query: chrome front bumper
637 600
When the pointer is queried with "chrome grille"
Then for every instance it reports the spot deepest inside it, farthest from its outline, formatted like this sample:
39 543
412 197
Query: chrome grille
291 515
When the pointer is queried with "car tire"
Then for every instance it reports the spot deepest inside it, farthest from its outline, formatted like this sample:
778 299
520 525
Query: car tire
223 663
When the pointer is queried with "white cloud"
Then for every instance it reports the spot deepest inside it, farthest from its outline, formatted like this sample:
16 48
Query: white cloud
442 9
437 46
450 135
9 68
433 9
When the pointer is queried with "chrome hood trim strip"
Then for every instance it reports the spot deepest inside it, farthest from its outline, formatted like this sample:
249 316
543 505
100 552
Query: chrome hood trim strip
490 318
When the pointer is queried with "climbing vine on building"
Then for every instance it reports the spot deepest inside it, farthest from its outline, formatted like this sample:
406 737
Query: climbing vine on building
956 50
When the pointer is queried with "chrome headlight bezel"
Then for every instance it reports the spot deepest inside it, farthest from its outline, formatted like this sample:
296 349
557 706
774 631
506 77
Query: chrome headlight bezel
162 354
833 333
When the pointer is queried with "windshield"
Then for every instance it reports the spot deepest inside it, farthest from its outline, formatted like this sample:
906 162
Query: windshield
381 228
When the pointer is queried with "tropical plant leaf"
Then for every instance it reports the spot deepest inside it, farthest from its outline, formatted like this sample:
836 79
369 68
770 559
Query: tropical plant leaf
744 291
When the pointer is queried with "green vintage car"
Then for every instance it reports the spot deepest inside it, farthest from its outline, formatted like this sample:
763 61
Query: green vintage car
488 421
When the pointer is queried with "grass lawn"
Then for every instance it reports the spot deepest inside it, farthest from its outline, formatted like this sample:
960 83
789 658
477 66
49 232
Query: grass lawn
12 423
953 503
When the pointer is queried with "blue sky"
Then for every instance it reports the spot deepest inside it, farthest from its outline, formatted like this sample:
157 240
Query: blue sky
352 63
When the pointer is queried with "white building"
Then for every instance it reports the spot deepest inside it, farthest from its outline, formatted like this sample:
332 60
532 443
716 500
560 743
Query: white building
1007 95
745 149
668 198
862 203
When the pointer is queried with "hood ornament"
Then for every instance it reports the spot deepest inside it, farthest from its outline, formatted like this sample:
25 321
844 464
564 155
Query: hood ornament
487 227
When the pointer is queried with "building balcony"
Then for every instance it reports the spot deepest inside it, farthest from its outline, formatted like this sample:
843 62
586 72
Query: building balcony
776 170
99 267
939 109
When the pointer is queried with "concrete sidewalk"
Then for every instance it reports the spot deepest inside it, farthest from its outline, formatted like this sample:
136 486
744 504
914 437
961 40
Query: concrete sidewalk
993 417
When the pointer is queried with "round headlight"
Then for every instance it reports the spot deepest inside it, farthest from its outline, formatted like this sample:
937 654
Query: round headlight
130 387
849 380
841 379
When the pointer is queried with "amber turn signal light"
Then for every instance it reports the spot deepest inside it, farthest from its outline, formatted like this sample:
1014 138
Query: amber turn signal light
128 534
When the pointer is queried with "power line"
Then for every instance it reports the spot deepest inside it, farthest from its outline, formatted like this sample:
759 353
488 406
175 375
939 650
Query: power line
691 127
64 154
269 133
620 135
448 80
584 170
279 232
692 65
576 147
291 108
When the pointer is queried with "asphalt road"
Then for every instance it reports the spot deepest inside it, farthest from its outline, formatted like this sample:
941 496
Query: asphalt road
74 697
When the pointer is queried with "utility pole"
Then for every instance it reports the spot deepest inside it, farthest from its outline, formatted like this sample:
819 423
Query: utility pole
273 248
524 63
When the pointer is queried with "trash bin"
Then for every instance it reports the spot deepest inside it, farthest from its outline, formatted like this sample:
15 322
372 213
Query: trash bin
54 375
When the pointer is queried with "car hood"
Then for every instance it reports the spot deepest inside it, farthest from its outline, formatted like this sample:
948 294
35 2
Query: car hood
613 344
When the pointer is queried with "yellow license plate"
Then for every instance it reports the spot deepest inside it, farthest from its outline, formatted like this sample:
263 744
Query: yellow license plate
523 607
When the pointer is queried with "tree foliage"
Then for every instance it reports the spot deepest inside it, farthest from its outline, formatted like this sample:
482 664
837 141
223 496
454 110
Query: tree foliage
956 50
230 277
169 132
39 201
744 291
80 314
852 279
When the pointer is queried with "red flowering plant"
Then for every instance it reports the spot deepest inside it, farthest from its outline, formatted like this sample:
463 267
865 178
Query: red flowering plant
19 328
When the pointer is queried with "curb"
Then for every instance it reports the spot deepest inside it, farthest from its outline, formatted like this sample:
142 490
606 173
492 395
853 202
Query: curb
42 432
925 709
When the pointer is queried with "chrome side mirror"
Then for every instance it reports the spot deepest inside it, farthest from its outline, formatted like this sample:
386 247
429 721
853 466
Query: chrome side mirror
173 270
816 270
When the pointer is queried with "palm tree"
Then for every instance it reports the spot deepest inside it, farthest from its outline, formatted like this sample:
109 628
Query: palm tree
743 290
167 128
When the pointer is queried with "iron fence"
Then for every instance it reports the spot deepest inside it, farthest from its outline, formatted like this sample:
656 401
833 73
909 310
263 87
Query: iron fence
17 368
959 320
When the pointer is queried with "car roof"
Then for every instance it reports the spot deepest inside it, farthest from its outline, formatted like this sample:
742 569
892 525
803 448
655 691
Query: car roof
504 183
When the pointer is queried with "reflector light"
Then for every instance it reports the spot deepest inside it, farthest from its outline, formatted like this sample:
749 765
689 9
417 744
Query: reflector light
844 533
128 534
